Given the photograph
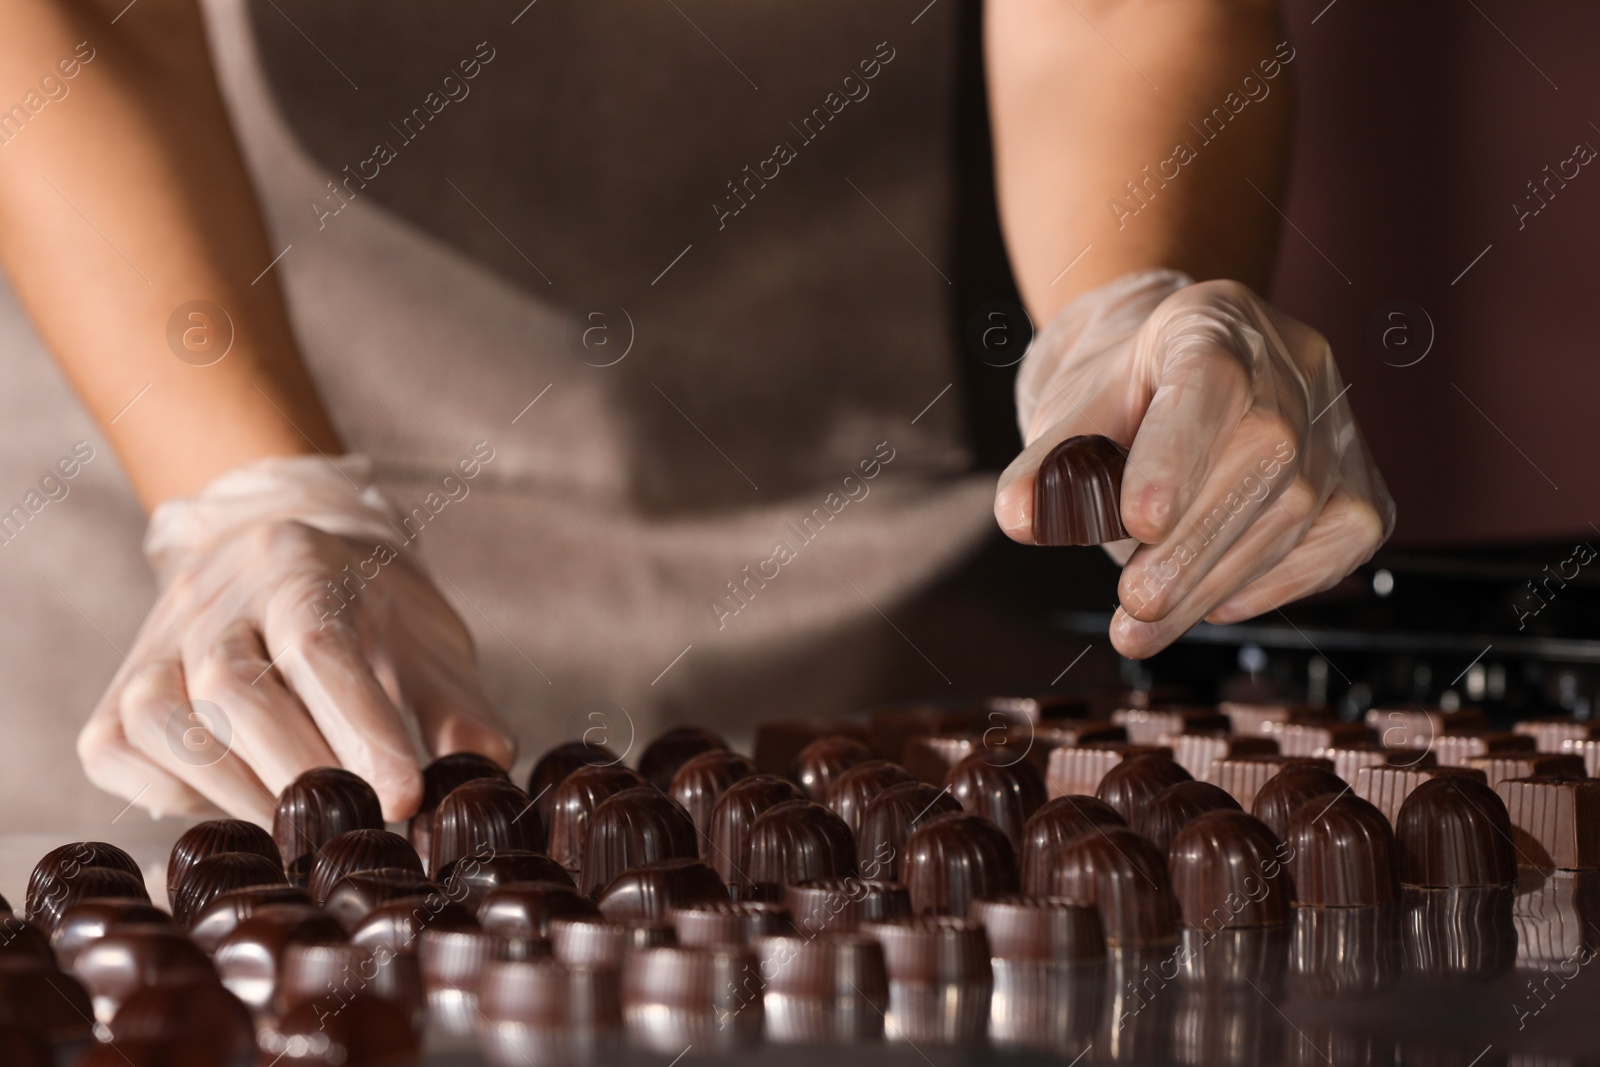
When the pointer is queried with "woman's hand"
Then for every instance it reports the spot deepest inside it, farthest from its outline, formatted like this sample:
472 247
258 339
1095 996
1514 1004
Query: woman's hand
1247 484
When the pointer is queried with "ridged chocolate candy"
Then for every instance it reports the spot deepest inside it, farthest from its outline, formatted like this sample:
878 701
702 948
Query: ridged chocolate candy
1345 854
132 957
820 763
1454 831
1227 872
575 800
1387 787
1555 820
1175 807
1077 494
398 926
207 839
1244 776
700 783
359 850
1286 791
796 841
662 757
439 778
743 922
485 813
888 821
91 883
735 815
1125 878
841 905
645 894
1344 952
224 913
66 862
250 957
522 911
554 766
89 920
353 897
999 786
632 828
1134 783
318 806
1499 768
953 860
1052 827
219 874
857 787
1041 929
471 878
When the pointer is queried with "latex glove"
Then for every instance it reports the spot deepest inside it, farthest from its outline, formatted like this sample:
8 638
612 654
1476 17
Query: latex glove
1247 484
249 622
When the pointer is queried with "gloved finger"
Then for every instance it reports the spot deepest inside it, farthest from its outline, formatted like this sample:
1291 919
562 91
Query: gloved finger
190 741
271 730
326 668
1257 473
1345 535
453 714
114 765
1104 413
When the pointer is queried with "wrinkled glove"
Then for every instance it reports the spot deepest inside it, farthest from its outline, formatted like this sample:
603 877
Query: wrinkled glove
293 631
1247 485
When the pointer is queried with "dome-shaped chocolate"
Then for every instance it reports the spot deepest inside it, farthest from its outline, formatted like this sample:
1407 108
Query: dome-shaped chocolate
575 800
483 815
554 766
66 862
359 850
888 821
1134 783
522 911
1227 871
1077 494
320 973
318 806
1170 810
999 786
206 839
859 785
398 925
225 912
219 874
820 763
26 945
952 860
778 743
662 757
700 783
1283 794
89 883
1123 876
471 878
1454 831
200 1015
1344 854
131 957
353 897
634 827
250 957
733 817
796 841
1059 821
89 920
439 779
645 893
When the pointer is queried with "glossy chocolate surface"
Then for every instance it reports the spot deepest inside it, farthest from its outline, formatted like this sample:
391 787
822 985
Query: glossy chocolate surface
953 860
635 827
1055 824
132 957
522 911
1555 821
549 996
438 779
1454 831
1125 879
1461 934
359 850
858 786
1077 494
729 922
600 942
700 783
399 925
318 806
735 816
485 813
353 897
1080 769
200 1016
1047 930
219 874
1286 791
820 763
1000 786
1132 784
65 863
933 949
1175 807
888 821
471 878
366 1029
796 841
646 893
1227 870
1345 854
575 800
325 973
207 839
250 957
1243 777
553 767
662 757
225 912
88 920
841 905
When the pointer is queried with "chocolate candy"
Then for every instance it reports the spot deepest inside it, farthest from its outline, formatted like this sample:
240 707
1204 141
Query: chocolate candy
708 997
132 957
1227 872
485 813
635 827
318 806
796 841
856 787
89 884
700 783
359 850
547 995
1077 494
644 894
1041 929
1349 759
522 911
575 800
89 920
933 949
219 874
823 760
366 1029
1497 769
1055 824
353 897
1589 751
24 1048
250 957
778 743
1454 750
740 922
1454 831
66 863
599 942
1078 770
398 926
1125 879
471 878
1552 734
439 778
1286 791
1198 753
932 757
199 1017
325 974
662 757
953 860
24 944
1175 807
1418 727
1459 934
452 962
734 817
1555 821
889 819
48 1002
824 990
1243 776
999 786
1246 718
1345 854
1154 725
1388 787
1314 738
554 766
207 839
841 905
225 912
1134 783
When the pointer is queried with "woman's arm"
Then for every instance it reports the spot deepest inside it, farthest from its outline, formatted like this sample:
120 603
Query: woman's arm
122 198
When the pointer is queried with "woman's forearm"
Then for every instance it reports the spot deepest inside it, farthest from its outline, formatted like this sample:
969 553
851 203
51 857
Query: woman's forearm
1149 132
123 198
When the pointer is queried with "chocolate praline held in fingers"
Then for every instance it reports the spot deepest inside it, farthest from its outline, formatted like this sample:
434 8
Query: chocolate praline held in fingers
735 815
819 764
645 894
1134 783
471 878
1286 791
857 787
662 757
1000 786
553 767
1344 854
796 841
953 860
1454 831
65 862
207 839
1227 871
575 800
1077 493
249 959
359 850
225 912
635 827
439 778
1055 824
91 919
132 957
522 911
888 821
1125 878
353 897
700 783
1170 810
318 806
483 813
